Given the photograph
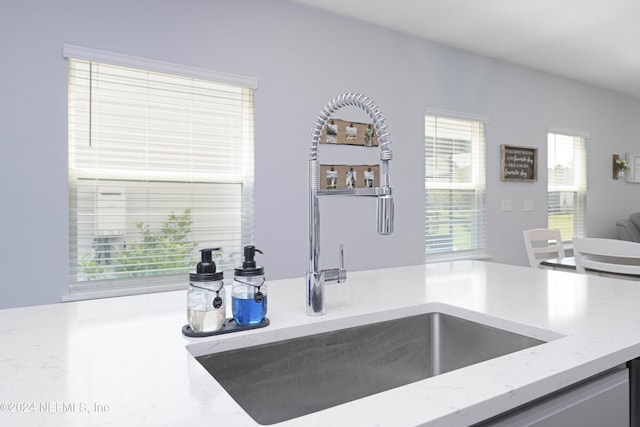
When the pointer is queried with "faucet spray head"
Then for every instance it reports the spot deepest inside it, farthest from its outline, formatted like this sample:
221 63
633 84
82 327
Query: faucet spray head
384 214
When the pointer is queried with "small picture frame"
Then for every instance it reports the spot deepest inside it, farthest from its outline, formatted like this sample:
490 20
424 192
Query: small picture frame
369 134
633 174
351 178
352 132
332 132
519 164
332 179
369 178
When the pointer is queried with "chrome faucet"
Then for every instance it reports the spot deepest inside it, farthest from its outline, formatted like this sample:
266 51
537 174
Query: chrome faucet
315 278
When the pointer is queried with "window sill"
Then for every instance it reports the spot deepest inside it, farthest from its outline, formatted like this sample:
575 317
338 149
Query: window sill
447 257
88 294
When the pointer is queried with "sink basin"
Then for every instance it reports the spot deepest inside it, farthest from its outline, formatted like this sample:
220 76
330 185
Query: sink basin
281 380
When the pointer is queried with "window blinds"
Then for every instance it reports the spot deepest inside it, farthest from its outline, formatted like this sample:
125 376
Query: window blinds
160 166
454 185
567 184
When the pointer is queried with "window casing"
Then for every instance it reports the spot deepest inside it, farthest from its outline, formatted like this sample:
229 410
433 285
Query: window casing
455 214
160 166
567 184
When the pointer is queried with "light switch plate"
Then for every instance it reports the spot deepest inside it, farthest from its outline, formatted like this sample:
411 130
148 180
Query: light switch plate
506 205
527 206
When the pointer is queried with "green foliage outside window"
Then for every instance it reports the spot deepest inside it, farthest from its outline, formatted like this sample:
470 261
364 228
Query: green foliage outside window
163 251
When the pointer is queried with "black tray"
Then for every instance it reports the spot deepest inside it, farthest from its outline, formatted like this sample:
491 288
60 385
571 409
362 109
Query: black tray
228 326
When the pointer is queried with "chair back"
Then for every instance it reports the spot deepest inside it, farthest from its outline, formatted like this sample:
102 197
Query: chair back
542 244
626 230
607 255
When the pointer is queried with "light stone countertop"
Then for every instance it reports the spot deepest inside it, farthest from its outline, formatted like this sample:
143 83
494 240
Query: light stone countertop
124 361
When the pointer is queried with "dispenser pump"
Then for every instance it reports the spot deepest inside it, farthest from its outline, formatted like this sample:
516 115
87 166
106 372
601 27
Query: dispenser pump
206 268
249 267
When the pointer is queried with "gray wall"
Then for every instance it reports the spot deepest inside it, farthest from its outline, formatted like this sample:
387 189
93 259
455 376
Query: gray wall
302 58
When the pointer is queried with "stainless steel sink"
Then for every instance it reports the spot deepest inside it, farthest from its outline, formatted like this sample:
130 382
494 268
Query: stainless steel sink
286 379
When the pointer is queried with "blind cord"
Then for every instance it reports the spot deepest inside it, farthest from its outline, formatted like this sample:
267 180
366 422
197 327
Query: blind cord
90 101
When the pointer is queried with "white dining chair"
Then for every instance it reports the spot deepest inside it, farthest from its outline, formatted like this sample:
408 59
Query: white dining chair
607 256
542 244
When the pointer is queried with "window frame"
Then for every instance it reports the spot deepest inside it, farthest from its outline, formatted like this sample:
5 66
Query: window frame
477 185
117 287
579 186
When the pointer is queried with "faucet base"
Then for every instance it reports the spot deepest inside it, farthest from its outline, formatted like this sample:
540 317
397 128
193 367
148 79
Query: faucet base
315 294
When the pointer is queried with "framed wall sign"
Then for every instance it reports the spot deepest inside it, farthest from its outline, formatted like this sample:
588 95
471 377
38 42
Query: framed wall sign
518 163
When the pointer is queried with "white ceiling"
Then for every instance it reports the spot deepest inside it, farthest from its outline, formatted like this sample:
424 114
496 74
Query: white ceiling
594 41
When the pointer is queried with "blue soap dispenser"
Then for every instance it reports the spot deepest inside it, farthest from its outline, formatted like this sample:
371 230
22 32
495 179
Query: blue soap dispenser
249 291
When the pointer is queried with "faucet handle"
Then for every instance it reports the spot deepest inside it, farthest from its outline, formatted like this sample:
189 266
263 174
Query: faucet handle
342 272
339 274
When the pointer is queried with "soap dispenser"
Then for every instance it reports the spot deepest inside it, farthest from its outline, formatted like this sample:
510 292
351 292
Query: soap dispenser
206 309
249 291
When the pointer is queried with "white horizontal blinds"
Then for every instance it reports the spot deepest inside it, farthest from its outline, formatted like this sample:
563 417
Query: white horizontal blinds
160 166
454 185
567 184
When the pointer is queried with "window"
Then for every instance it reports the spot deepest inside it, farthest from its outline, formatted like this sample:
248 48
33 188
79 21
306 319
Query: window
454 187
160 166
567 184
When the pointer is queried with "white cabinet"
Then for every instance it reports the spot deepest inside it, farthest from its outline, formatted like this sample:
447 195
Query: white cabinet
597 402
